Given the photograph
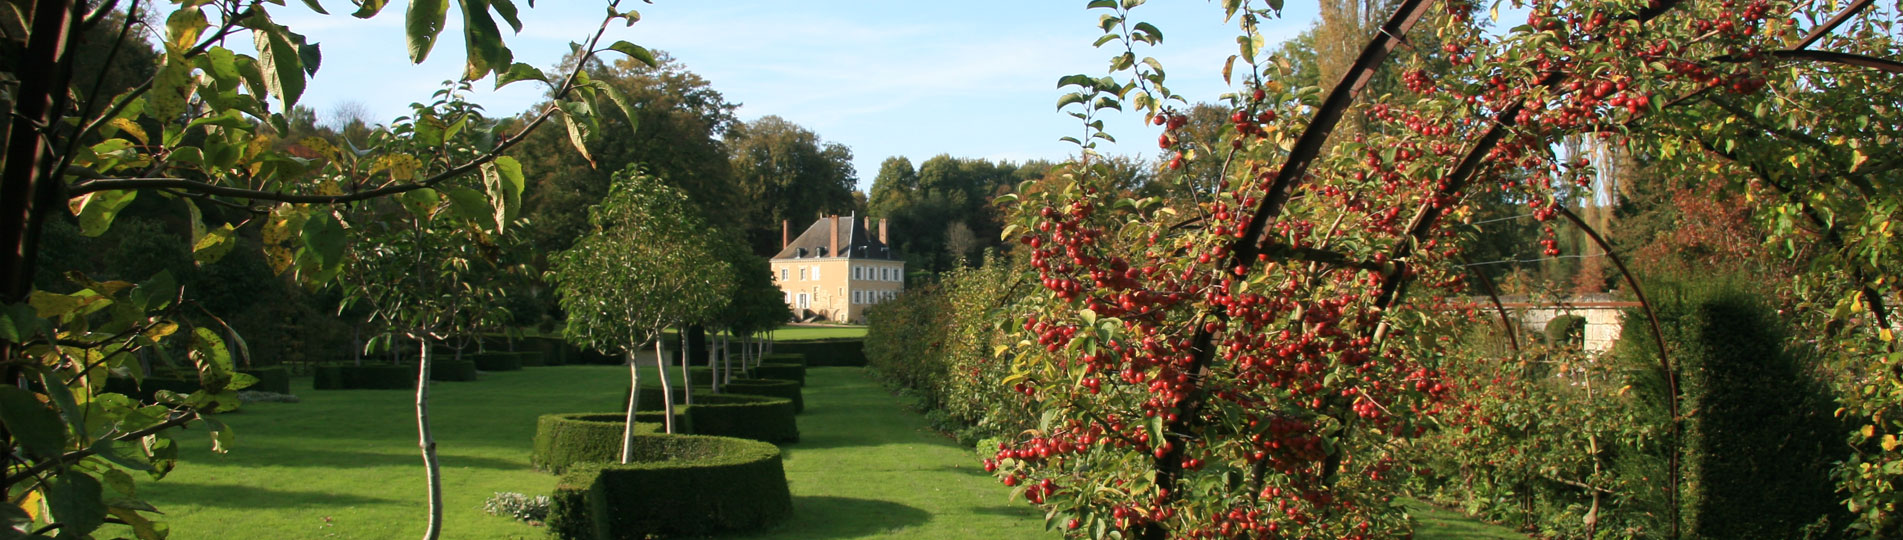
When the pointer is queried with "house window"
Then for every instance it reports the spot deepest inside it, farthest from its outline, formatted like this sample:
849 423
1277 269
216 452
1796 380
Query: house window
802 274
782 274
815 273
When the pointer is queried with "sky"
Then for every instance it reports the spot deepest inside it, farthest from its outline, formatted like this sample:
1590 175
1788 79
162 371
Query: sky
885 78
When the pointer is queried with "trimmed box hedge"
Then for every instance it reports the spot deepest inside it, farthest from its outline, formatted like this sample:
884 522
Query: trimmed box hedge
785 358
779 388
712 485
761 418
785 372
497 361
826 352
452 370
562 440
364 377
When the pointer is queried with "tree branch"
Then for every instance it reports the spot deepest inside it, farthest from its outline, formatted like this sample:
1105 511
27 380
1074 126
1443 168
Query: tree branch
72 457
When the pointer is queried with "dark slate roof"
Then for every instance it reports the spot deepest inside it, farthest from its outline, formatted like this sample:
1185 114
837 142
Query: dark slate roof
854 239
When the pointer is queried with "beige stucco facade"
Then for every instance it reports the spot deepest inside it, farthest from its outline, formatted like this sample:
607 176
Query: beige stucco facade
838 288
837 269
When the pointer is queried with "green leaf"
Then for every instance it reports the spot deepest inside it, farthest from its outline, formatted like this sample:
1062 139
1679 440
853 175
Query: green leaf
520 72
634 51
19 322
77 503
420 202
1072 98
214 244
1155 35
507 10
128 454
182 28
278 60
627 109
97 209
504 180
468 204
422 24
317 7
36 426
577 135
368 8
483 40
323 239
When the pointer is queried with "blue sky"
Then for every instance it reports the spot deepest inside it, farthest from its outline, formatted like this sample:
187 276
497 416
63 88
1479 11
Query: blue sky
886 78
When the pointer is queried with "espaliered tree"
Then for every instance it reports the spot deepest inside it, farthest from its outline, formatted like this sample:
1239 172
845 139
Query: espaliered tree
650 262
203 129
1245 363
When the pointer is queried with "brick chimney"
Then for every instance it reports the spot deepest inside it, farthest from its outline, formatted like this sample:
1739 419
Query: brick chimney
785 229
882 232
832 225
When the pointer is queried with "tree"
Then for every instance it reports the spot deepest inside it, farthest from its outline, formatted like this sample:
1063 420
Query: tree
675 130
785 172
193 134
1240 365
943 190
650 262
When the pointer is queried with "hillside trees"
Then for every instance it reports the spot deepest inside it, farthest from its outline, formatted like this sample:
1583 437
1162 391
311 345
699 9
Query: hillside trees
192 135
1249 363
786 172
650 262
943 195
676 129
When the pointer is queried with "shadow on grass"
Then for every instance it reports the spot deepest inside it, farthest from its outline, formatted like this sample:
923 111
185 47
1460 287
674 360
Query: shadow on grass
228 496
842 517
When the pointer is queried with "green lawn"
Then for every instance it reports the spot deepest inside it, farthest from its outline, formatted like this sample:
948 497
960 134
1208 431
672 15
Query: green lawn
796 333
343 464
1435 523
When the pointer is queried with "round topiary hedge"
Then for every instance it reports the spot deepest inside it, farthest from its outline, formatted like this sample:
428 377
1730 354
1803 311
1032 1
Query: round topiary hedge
562 440
711 485
452 370
364 377
783 371
780 388
761 418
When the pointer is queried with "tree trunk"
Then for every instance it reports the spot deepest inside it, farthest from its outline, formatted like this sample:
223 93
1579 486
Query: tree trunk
726 359
634 392
667 390
428 443
687 381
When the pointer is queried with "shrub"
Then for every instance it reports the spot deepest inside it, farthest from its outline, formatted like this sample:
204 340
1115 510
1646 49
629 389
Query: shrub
779 388
562 440
452 370
1759 438
785 372
784 358
700 376
518 506
364 377
1566 332
712 484
826 352
761 418
497 361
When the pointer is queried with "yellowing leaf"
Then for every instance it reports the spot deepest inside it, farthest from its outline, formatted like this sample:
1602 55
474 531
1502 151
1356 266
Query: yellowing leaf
1889 442
1868 431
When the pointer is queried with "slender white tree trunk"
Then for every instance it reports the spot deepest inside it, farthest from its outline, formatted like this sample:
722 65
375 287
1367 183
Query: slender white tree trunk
726 359
428 443
634 393
687 355
667 390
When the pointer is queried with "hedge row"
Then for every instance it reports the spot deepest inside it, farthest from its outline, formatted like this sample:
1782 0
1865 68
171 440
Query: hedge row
364 377
498 361
826 352
562 440
785 358
452 370
779 388
682 485
781 371
734 413
270 379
